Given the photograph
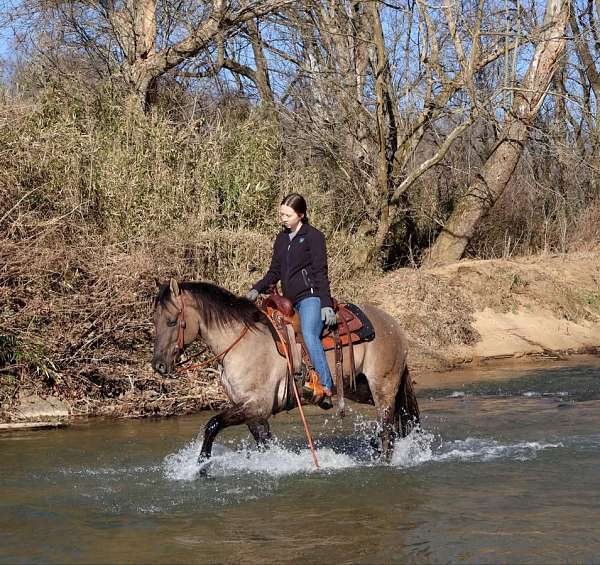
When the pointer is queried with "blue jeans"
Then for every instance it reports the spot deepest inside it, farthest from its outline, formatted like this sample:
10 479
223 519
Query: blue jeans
312 326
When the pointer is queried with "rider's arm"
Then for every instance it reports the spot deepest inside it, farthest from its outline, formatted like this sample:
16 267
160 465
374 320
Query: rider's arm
273 274
318 258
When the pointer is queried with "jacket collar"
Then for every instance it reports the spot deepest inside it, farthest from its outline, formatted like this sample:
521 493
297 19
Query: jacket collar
302 231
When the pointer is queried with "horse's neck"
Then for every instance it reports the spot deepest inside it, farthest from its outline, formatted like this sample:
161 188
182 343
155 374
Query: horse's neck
220 338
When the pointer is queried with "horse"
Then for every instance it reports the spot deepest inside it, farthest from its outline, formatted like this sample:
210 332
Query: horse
256 377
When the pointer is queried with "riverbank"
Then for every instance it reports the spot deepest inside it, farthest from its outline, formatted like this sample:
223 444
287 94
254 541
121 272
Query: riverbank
477 312
462 316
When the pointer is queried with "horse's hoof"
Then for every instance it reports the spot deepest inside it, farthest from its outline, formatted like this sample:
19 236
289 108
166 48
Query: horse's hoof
326 403
204 464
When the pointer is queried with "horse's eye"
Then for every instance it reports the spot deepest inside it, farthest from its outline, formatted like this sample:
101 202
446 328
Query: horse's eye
171 323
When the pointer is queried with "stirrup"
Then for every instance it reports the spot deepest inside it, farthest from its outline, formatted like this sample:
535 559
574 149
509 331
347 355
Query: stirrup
326 403
312 387
314 391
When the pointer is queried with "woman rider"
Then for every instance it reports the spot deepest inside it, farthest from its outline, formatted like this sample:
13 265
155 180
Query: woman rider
300 263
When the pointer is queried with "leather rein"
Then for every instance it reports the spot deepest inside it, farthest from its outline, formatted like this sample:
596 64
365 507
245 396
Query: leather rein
181 368
219 357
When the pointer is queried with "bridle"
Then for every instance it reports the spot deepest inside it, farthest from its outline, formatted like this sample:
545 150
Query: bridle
181 327
180 346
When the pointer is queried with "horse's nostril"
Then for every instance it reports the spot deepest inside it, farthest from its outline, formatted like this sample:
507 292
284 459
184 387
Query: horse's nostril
160 368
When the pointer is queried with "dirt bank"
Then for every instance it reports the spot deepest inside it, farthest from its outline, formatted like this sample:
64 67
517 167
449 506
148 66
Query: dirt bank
473 312
85 341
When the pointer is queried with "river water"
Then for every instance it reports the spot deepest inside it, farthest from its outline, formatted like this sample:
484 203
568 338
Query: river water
503 471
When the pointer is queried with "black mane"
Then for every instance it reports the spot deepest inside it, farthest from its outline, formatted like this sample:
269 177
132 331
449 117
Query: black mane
219 306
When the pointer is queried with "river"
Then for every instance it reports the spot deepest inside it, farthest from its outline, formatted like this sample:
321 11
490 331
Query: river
505 470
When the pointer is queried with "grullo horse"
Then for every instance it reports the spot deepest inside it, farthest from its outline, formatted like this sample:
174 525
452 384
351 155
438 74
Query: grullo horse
255 375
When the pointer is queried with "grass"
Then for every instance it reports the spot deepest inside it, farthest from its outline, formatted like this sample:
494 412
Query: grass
592 298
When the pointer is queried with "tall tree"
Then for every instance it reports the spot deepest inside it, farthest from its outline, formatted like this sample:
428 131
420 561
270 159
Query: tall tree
498 168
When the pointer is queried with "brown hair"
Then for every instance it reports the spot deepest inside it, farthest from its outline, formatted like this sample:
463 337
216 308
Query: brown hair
297 203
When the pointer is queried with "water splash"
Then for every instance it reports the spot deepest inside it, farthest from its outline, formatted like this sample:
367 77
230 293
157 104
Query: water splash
415 450
277 461
419 448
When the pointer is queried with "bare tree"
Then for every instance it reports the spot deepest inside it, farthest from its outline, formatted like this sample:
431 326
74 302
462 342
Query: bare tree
141 40
373 97
499 167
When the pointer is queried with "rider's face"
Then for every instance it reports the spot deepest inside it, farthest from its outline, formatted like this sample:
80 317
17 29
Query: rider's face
289 218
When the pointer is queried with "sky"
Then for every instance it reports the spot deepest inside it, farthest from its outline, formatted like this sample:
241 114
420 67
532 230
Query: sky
4 43
7 7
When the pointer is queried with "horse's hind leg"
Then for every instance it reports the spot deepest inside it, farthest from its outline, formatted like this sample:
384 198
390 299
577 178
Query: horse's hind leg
387 433
259 428
230 417
407 408
399 416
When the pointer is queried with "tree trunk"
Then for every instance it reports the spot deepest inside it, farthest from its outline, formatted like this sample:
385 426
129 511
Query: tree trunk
135 27
263 84
499 167
386 131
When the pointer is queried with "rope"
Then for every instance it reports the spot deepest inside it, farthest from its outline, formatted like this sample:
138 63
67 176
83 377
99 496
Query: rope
296 395
182 369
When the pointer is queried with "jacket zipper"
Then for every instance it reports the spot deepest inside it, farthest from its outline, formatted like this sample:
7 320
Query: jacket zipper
307 280
287 263
304 271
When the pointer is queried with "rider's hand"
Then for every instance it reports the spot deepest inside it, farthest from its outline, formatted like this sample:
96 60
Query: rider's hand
328 316
252 295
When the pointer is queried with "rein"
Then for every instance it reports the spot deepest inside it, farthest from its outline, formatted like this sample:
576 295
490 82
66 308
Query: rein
292 381
181 343
219 357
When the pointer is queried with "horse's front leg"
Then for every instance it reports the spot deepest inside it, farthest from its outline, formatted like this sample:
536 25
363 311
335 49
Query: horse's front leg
230 417
259 428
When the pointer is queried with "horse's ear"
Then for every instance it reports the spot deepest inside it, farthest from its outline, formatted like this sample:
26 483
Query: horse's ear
157 282
174 287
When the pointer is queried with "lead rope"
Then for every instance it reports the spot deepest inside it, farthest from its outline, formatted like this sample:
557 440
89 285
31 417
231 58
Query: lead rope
298 402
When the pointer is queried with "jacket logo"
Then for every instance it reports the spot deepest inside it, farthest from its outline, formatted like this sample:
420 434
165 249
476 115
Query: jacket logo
301 240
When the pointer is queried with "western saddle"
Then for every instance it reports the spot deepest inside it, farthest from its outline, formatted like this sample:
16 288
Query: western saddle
349 330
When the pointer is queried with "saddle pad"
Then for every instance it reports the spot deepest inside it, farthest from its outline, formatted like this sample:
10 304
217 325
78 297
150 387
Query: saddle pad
361 328
352 319
366 332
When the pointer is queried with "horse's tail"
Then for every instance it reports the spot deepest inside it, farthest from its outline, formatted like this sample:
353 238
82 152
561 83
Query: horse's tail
407 407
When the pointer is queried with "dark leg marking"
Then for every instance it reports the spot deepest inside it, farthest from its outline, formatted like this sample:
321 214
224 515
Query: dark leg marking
259 428
387 434
230 417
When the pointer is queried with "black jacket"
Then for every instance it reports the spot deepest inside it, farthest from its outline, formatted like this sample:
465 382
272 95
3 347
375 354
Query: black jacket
300 265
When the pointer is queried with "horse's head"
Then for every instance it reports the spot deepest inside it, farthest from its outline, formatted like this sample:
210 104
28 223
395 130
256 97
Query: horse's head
173 327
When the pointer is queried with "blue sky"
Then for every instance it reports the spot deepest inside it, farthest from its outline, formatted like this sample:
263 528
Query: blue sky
7 7
4 43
